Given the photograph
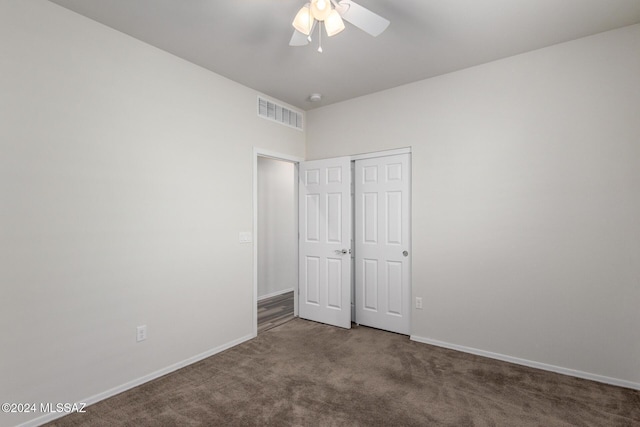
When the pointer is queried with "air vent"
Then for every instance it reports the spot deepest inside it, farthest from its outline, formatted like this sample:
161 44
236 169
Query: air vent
271 111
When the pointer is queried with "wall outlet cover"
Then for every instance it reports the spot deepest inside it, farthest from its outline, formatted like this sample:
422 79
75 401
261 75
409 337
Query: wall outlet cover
245 237
141 333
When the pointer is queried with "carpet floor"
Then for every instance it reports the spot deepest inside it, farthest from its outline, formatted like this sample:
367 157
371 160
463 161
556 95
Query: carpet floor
303 373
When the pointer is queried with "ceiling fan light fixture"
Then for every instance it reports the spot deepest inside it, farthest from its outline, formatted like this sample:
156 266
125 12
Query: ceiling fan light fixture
333 13
320 9
333 24
303 20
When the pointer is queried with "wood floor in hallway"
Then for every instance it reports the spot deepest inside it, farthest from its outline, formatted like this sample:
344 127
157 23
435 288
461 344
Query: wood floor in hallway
275 311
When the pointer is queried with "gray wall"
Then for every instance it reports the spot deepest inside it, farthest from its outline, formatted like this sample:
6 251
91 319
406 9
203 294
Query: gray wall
125 178
277 227
526 201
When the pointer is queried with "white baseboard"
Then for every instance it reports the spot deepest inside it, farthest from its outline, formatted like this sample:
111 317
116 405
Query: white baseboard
275 294
530 363
131 384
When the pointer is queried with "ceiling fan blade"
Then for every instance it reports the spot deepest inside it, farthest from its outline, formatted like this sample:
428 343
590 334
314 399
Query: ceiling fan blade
298 39
362 17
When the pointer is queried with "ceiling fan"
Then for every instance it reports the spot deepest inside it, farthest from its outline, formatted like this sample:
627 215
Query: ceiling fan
330 14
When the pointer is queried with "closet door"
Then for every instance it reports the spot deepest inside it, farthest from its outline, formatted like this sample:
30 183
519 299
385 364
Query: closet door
325 241
382 247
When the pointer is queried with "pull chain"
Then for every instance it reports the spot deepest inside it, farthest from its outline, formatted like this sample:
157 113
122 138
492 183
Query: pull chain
311 19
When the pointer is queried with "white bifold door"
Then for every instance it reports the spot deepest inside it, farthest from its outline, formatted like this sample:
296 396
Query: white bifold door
325 241
382 261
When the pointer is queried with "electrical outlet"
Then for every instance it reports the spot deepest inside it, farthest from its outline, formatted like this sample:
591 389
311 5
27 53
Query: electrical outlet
419 303
141 333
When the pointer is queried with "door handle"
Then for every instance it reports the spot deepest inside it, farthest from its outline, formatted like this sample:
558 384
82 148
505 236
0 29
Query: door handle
405 253
343 251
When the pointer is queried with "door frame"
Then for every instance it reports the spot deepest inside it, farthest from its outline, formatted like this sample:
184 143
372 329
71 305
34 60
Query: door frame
259 152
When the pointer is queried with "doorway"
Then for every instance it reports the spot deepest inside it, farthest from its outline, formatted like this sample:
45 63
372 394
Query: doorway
275 225
277 242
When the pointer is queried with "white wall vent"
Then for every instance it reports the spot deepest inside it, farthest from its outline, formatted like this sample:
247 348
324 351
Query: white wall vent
271 111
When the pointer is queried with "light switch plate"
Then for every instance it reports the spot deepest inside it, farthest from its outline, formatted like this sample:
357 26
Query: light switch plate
245 237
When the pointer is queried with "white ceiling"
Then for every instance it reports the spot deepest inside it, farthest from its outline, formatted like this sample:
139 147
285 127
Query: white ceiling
247 40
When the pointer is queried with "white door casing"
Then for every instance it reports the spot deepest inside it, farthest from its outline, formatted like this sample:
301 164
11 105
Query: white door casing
325 241
382 243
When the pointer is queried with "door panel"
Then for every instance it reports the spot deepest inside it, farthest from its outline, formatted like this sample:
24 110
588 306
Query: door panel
312 217
312 280
370 217
382 191
394 217
394 287
325 241
334 283
370 278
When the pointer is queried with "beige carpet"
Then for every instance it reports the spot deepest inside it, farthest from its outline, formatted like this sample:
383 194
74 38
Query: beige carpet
308 374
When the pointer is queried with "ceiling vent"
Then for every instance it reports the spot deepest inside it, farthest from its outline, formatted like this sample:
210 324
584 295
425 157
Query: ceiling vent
271 111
